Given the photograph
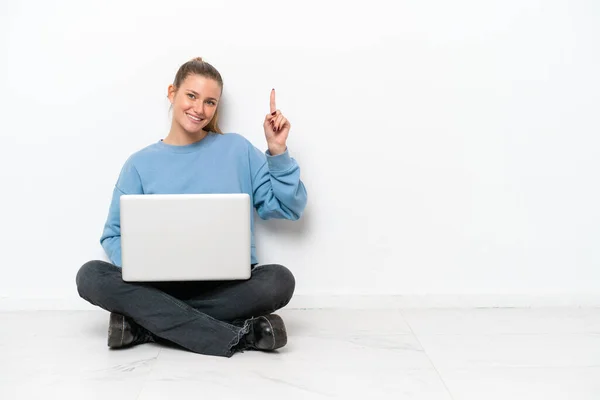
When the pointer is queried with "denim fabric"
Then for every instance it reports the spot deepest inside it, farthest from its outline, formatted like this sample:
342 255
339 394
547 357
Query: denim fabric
203 317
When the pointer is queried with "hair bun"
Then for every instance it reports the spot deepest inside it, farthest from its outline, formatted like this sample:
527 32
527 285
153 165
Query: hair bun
198 59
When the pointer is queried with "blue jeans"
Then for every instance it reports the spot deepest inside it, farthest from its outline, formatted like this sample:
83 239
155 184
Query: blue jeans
202 317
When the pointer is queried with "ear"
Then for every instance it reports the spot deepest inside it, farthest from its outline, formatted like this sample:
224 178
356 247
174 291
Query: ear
171 93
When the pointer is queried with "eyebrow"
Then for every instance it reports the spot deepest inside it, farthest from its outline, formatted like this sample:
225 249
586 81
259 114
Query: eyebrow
196 93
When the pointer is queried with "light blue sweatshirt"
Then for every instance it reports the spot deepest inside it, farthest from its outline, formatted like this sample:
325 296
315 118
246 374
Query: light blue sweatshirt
219 163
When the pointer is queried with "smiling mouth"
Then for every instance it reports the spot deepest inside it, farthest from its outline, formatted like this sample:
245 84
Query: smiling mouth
195 119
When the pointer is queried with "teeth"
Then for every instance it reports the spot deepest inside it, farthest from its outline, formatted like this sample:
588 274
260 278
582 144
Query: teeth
194 118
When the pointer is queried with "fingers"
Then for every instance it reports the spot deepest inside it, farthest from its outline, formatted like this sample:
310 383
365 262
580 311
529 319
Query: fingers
272 103
278 123
273 115
276 120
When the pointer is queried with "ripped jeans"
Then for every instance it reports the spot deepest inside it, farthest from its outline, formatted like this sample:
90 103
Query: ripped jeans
203 317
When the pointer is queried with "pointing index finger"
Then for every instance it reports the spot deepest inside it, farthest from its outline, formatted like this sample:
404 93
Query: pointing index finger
273 107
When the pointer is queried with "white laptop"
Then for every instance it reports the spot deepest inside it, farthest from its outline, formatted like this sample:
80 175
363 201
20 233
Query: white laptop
185 237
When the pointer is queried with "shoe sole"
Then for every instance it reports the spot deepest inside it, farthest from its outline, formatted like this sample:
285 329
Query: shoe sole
116 330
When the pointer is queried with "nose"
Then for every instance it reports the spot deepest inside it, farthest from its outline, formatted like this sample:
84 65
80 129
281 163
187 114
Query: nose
199 109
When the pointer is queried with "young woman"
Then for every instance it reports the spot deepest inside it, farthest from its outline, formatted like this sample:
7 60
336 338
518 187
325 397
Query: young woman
213 318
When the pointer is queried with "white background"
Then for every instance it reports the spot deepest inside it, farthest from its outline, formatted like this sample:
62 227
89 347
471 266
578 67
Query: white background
448 148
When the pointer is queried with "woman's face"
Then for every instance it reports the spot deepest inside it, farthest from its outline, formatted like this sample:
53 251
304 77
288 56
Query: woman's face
194 102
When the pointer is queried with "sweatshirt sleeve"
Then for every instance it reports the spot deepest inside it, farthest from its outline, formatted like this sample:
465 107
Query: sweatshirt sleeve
128 183
277 189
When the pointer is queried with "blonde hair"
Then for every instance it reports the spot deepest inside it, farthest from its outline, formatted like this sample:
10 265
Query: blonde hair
197 66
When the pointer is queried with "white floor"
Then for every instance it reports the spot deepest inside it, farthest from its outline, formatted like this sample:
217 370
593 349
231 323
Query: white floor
375 354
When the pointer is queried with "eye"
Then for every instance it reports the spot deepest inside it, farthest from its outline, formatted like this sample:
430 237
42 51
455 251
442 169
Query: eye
212 103
191 96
